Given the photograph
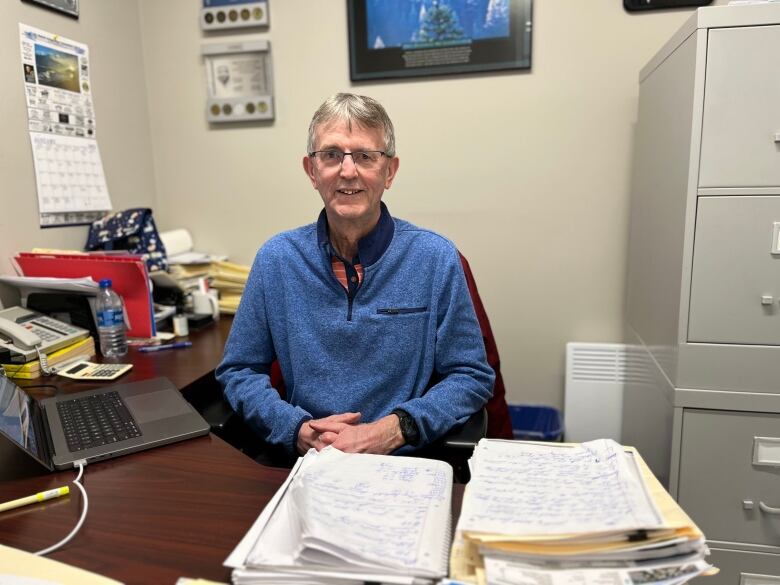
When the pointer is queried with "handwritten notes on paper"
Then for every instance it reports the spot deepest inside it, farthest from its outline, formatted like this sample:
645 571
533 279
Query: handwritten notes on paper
376 512
381 515
531 489
569 514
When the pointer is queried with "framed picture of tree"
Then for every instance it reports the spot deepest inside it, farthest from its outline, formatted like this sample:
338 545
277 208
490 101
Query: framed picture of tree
413 38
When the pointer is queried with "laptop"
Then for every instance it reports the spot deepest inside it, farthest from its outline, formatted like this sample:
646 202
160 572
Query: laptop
95 424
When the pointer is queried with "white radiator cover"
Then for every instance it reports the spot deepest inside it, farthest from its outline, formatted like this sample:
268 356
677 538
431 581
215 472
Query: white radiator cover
595 377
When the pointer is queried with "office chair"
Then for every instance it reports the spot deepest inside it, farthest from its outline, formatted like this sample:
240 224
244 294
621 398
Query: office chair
455 447
499 424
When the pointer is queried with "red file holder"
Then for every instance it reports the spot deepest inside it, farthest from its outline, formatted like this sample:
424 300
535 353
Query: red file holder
127 273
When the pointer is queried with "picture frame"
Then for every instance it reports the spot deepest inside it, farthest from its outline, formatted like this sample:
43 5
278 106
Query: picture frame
418 38
642 5
69 7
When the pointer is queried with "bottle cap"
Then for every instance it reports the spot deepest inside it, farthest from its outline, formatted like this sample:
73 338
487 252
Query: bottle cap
105 283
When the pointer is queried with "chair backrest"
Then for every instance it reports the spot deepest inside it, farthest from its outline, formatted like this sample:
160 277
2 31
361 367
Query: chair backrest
499 425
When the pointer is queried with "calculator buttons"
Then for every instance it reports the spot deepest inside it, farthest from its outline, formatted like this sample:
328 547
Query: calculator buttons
86 370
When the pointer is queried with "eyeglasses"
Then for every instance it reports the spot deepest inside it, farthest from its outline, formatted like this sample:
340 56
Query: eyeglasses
364 159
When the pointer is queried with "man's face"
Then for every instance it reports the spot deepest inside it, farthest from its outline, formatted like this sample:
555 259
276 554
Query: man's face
351 193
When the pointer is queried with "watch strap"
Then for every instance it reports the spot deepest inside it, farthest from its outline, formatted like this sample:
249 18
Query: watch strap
409 428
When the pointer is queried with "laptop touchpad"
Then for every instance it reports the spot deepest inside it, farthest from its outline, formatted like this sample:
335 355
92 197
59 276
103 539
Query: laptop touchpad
156 405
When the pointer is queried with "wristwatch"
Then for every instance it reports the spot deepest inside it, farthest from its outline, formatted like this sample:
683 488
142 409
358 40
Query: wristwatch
408 426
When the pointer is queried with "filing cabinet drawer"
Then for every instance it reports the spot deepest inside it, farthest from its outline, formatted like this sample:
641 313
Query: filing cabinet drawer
741 108
742 568
735 279
731 497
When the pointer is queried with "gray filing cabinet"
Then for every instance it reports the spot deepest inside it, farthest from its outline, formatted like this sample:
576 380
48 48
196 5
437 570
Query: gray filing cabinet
702 402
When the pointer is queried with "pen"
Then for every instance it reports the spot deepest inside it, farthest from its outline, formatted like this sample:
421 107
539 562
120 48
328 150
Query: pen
39 497
177 345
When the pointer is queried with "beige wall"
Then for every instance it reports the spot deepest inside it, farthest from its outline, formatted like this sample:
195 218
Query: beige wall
528 172
111 30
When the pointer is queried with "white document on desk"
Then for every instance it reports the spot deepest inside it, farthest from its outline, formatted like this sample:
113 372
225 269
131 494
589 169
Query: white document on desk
526 489
239 555
352 517
375 511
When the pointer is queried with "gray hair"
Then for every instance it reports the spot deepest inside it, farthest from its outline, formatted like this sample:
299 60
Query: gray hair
349 108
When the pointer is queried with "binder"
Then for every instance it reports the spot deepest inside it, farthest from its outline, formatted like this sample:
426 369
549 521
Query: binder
127 272
84 349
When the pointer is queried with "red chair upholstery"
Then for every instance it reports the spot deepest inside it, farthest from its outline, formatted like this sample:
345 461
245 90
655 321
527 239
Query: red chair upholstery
499 424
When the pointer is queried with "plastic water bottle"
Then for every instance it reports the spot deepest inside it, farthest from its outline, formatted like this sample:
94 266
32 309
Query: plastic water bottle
111 321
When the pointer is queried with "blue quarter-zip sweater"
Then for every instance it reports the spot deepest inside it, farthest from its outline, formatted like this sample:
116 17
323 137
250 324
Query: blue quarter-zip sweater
410 323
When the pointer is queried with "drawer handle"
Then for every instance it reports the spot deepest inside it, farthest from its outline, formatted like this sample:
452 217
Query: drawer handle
766 451
768 509
754 579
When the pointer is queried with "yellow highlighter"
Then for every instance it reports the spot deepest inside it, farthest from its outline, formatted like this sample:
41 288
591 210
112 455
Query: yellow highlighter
39 497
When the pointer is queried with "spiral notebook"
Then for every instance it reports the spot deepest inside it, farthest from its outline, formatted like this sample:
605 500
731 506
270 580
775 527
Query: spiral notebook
344 517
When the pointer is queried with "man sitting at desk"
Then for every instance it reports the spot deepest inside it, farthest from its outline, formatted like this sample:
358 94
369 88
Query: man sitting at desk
368 315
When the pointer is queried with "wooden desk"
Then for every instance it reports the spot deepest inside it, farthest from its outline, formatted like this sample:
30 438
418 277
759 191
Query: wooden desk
173 511
153 517
184 367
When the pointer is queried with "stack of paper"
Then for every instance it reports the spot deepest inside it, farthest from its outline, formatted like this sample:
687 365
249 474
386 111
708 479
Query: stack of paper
351 518
188 276
190 268
229 279
556 513
180 249
83 349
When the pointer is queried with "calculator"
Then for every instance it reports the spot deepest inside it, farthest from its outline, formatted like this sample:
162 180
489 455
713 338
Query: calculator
85 370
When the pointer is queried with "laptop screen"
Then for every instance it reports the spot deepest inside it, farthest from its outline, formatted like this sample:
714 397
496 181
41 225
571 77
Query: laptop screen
17 418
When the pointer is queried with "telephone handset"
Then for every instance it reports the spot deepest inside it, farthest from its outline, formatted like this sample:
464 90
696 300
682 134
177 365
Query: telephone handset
19 335
28 333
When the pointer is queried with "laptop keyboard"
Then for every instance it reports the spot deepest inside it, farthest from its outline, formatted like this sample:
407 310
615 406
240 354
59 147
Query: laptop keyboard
96 420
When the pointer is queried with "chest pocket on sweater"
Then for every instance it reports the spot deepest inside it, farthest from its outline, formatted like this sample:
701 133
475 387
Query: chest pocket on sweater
403 326
401 310
402 335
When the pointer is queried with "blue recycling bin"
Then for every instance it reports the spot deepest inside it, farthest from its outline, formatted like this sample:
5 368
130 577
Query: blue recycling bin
536 422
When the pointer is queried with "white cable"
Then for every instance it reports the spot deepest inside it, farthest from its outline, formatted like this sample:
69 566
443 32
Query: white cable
73 532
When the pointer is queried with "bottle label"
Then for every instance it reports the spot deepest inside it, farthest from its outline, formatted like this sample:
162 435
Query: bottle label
110 318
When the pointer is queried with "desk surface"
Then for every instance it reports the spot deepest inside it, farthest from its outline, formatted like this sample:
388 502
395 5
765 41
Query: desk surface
153 517
185 367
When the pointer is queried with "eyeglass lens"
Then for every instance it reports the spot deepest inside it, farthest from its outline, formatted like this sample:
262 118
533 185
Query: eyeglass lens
361 158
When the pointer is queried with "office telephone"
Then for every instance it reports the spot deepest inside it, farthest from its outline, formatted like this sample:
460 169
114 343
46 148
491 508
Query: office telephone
23 330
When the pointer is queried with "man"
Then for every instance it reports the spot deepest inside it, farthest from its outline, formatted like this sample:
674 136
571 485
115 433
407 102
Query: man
369 316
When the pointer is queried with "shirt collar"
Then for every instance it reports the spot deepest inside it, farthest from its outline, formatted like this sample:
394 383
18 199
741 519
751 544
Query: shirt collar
371 246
